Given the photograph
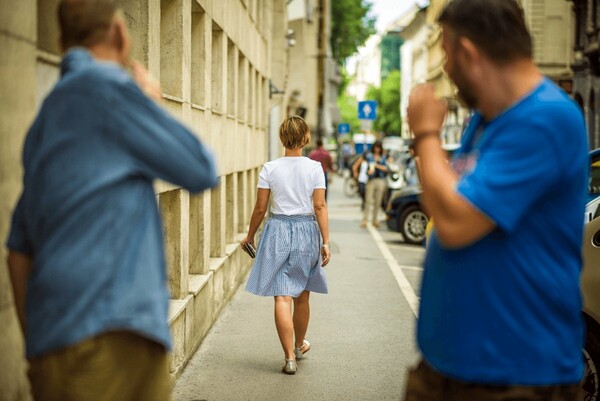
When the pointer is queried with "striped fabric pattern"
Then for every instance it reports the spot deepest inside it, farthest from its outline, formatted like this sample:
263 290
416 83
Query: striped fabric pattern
288 260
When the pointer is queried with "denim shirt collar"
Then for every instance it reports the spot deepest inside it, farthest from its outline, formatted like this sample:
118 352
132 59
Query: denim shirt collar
75 59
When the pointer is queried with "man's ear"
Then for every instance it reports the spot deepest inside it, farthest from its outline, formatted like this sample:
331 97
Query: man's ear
121 40
470 52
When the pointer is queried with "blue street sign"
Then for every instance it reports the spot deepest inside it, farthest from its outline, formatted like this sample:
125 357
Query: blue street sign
344 128
367 110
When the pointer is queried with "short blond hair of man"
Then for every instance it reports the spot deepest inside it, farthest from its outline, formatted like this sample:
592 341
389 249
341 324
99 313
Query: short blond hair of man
294 133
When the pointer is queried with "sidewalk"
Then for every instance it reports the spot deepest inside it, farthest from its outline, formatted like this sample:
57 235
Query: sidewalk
362 332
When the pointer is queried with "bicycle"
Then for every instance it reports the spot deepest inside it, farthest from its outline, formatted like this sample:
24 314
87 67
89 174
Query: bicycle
350 186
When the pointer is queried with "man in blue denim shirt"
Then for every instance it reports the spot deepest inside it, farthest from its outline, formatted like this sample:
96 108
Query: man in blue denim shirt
86 250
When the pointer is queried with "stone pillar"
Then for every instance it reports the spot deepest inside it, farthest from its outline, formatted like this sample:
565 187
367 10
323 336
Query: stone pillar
199 239
174 207
243 201
17 95
217 223
171 47
218 69
243 88
231 214
154 37
201 56
232 79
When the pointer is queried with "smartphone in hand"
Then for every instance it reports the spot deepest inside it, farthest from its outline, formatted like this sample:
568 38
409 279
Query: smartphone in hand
250 250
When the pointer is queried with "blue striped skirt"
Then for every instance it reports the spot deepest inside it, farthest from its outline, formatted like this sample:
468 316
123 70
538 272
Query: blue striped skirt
288 259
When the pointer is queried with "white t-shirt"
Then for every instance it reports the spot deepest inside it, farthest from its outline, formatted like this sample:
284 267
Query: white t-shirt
292 181
363 177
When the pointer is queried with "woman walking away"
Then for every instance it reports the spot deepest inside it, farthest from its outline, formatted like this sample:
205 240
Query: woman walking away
294 246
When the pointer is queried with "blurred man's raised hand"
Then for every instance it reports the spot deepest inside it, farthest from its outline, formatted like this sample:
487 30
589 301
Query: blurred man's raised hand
149 85
425 112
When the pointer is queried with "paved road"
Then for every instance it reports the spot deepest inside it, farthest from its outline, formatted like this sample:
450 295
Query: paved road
362 332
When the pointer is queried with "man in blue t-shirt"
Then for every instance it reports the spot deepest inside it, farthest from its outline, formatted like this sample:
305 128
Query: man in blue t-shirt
500 315
86 254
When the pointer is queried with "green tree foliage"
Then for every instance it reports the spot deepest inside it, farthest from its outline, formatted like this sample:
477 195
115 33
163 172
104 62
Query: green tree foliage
351 26
345 80
387 96
349 111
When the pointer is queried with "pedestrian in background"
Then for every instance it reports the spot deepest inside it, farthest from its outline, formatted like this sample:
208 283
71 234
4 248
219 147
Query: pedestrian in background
376 185
86 255
347 151
359 172
500 315
294 246
321 155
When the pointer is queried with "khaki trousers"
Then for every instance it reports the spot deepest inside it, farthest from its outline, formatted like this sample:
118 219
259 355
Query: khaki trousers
374 194
425 384
115 366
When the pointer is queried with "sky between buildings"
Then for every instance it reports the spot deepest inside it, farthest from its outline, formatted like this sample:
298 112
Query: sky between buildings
386 11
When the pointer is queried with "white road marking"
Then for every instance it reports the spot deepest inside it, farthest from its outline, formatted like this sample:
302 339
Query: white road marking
416 268
403 283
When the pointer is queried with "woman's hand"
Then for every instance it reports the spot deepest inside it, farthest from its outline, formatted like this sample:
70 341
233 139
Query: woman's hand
325 254
247 240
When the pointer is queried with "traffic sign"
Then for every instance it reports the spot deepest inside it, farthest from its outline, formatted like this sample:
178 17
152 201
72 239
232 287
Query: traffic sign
343 128
367 110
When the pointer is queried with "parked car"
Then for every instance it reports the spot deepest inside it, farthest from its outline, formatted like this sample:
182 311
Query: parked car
594 185
590 283
406 215
396 162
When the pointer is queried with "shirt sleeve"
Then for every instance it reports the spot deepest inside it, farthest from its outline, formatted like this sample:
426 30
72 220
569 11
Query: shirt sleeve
517 169
263 179
161 146
319 177
18 240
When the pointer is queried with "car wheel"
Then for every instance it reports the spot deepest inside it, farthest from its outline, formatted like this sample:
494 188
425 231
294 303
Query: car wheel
591 354
412 225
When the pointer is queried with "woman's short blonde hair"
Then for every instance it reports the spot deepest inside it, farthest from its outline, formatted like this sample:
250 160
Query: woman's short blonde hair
294 133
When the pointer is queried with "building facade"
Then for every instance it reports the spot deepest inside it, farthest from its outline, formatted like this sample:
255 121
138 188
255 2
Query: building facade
314 76
367 69
586 63
444 87
414 59
215 62
550 23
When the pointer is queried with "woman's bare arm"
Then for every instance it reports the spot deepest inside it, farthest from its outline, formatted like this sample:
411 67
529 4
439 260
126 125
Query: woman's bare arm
320 207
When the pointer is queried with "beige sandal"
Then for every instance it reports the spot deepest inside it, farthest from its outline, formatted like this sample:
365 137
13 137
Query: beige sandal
299 352
290 366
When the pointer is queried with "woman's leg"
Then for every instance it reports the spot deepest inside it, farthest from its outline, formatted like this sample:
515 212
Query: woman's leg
285 324
379 188
301 317
368 199
361 190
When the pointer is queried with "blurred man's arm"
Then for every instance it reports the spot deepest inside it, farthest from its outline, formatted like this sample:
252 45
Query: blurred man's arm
457 222
19 267
162 146
19 260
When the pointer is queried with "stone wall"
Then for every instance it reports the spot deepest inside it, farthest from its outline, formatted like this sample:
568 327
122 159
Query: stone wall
213 59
